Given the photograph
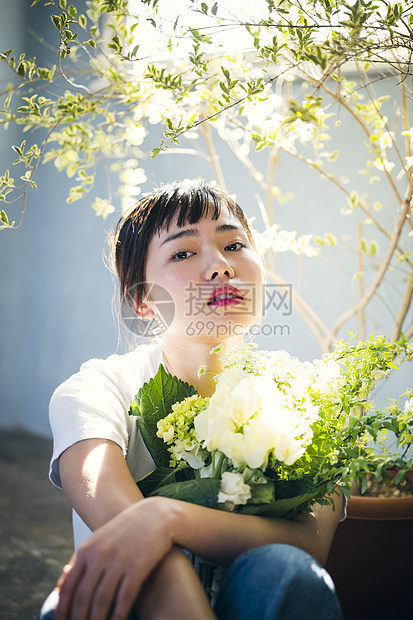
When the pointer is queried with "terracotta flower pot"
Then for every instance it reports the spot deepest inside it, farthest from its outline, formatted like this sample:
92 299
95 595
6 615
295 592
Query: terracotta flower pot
371 561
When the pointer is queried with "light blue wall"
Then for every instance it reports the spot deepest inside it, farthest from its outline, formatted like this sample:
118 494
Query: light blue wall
57 294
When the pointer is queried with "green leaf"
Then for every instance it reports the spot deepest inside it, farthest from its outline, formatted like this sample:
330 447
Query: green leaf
152 403
374 248
292 497
226 73
403 257
400 476
201 491
163 476
6 54
392 365
286 508
56 20
3 218
21 69
224 87
262 493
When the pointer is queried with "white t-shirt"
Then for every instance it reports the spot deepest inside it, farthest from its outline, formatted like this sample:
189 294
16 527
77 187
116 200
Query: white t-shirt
94 403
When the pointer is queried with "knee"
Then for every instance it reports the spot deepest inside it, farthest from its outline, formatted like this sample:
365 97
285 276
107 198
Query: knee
283 564
264 582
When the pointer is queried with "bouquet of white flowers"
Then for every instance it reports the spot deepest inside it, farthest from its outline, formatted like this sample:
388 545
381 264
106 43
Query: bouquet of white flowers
278 434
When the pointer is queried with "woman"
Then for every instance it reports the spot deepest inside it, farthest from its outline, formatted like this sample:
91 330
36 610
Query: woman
188 243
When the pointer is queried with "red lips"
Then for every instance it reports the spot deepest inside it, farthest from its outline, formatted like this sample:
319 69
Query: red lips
225 296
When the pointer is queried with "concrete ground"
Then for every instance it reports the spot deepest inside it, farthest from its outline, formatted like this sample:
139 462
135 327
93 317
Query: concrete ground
35 525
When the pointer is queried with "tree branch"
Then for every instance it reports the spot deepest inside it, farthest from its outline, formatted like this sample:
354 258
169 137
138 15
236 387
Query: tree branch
315 323
383 267
214 159
406 303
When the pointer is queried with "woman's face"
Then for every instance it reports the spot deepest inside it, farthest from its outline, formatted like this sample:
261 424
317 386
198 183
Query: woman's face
213 275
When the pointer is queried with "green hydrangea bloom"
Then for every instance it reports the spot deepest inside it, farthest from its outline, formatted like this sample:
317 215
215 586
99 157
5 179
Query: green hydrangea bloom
177 428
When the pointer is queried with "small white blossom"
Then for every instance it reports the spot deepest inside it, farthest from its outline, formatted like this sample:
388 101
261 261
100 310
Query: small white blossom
201 370
103 207
192 454
408 406
216 349
233 490
379 375
333 457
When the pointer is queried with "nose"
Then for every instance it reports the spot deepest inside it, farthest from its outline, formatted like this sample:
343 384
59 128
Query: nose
218 267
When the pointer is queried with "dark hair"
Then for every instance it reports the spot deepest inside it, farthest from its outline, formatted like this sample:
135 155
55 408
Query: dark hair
189 201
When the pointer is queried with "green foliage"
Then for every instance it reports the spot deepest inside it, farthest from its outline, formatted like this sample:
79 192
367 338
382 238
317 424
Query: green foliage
163 476
283 91
152 403
201 491
346 442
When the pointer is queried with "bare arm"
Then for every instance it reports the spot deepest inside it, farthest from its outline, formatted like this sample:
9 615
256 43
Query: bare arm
101 489
99 486
206 531
97 481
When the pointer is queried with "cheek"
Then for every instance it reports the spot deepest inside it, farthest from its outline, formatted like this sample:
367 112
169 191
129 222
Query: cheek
256 270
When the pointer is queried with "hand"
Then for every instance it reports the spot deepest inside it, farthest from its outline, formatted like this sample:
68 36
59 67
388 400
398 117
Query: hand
109 569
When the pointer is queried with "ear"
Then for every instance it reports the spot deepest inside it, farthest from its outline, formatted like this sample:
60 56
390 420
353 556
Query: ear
144 312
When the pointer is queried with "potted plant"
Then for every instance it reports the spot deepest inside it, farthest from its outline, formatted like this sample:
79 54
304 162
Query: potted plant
374 543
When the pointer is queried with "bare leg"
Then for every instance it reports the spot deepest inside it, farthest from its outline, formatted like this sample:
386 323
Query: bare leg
174 592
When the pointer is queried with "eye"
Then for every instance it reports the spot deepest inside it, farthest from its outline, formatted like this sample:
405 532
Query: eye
234 247
182 255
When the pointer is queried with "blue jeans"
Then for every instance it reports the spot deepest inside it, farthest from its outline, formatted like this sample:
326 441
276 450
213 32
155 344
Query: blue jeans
277 582
273 582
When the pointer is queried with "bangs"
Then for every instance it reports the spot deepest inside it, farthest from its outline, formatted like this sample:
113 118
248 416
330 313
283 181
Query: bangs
188 204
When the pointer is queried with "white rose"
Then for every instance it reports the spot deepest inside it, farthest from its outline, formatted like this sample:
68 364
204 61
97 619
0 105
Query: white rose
211 425
288 449
245 399
233 490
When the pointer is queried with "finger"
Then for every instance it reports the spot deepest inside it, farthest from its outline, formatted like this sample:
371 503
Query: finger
125 598
105 594
62 577
69 579
78 587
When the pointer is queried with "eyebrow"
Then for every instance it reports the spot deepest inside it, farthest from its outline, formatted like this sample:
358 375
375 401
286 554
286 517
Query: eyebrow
193 232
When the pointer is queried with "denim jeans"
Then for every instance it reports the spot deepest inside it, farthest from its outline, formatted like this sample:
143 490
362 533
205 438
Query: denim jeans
277 582
272 582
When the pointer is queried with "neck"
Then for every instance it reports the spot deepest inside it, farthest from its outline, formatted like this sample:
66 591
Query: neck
184 359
